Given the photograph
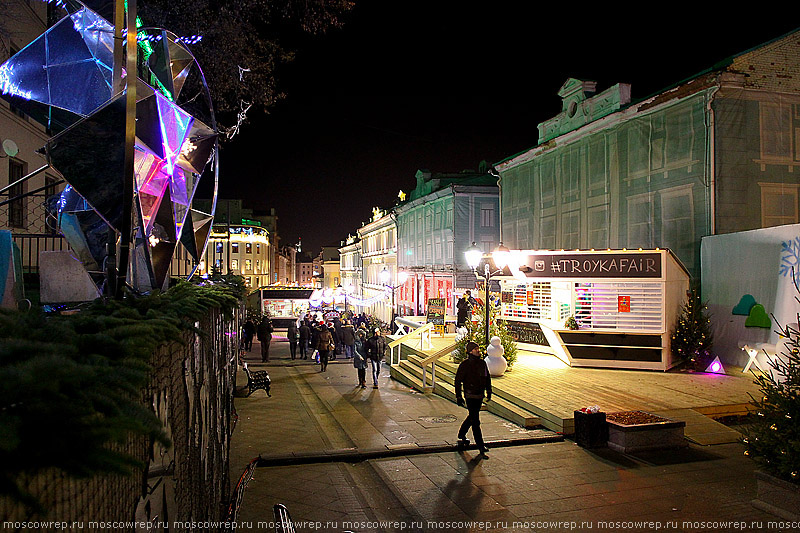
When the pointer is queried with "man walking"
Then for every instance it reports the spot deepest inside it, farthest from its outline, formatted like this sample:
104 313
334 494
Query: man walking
305 333
474 375
376 348
264 334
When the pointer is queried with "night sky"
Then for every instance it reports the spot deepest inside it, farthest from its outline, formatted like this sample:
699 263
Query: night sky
441 85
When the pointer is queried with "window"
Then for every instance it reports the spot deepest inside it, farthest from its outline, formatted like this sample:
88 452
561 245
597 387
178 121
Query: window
776 131
248 265
235 247
571 230
234 264
258 248
248 248
219 247
677 222
547 232
487 245
640 221
487 216
16 209
778 204
598 226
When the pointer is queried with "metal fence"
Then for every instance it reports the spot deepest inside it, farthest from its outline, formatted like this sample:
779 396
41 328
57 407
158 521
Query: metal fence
33 229
185 487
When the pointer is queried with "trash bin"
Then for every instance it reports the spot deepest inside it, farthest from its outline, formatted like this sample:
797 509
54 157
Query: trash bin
591 430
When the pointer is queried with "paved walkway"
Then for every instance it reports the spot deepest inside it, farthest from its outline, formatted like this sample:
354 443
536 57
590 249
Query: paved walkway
313 419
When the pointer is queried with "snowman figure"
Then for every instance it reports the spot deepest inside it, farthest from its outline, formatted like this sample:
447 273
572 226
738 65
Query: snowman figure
494 358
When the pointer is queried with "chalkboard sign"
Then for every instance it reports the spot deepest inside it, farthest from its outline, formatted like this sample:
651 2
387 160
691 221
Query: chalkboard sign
527 332
436 311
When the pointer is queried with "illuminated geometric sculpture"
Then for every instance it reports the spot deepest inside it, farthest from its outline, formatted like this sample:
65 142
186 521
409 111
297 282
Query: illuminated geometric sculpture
715 367
64 78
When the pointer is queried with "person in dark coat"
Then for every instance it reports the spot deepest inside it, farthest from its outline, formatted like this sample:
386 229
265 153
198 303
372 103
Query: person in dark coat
348 338
473 375
324 346
292 333
464 306
305 333
360 357
249 332
376 348
335 337
264 333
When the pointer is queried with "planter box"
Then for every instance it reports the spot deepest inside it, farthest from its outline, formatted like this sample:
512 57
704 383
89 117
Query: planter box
590 429
657 434
777 497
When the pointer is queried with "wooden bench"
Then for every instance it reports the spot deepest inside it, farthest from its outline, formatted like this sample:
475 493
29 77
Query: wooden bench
257 379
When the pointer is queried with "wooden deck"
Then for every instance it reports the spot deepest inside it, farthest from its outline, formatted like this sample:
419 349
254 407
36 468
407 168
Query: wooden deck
545 386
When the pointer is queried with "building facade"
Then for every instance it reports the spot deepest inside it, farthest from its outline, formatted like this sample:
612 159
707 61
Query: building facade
378 253
714 154
238 244
304 270
442 217
350 265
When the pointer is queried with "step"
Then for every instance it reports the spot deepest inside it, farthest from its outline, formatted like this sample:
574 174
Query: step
412 376
445 372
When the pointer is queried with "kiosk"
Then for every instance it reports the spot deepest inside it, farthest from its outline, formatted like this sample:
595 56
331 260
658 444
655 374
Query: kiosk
625 304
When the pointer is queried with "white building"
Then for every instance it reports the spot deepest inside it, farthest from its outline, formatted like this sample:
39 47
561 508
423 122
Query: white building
379 252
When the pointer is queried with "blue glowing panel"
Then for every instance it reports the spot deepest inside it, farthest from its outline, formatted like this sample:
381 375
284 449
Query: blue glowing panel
69 66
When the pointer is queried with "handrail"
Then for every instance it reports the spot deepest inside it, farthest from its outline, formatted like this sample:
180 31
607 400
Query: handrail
431 360
238 493
419 331
283 521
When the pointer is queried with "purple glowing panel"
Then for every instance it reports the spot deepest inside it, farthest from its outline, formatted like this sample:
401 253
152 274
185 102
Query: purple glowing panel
175 123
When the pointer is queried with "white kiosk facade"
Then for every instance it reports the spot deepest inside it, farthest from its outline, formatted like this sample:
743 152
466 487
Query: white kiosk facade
625 303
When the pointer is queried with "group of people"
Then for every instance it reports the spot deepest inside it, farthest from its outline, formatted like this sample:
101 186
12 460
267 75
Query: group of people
262 331
346 336
349 336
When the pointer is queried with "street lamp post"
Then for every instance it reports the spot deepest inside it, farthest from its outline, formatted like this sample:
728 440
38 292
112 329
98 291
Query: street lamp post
385 276
474 255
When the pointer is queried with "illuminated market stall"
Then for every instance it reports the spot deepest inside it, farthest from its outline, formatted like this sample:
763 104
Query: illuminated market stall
613 308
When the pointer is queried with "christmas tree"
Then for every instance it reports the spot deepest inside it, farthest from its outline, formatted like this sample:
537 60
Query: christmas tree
692 339
476 333
773 440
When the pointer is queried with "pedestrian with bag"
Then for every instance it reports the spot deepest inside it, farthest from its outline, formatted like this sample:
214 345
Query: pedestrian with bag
324 346
360 357
473 375
264 333
376 349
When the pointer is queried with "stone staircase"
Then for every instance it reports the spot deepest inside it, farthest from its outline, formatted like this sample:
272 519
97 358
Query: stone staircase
409 372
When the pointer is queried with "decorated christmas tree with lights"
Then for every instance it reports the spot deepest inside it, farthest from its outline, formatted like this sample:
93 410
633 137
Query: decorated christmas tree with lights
476 332
692 339
773 440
